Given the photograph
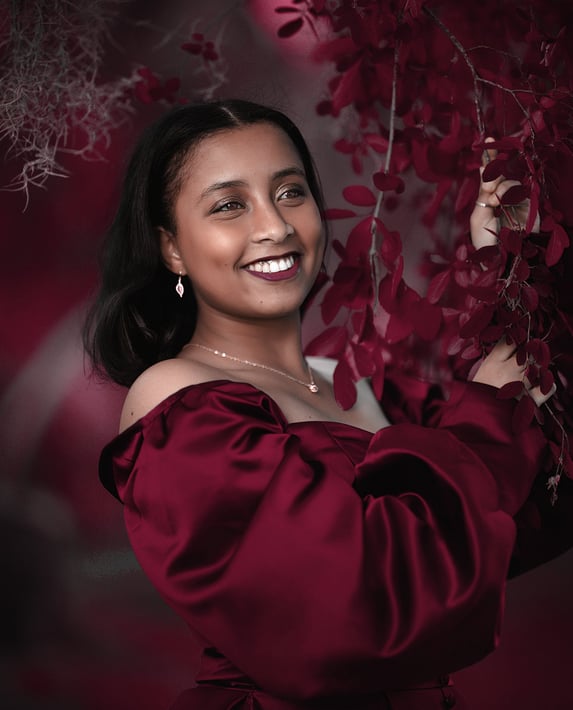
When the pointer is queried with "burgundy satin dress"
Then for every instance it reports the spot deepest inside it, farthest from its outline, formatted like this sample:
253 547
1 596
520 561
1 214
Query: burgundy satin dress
325 567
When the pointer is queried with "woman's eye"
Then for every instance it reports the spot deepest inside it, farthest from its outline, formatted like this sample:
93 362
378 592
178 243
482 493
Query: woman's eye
229 206
292 193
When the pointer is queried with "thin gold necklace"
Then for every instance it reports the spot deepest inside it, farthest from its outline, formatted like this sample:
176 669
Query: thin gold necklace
310 386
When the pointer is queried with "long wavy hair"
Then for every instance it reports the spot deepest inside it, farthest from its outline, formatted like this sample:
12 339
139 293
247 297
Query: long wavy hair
137 318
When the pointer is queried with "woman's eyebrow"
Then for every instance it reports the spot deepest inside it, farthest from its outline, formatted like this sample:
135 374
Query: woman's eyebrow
292 170
223 185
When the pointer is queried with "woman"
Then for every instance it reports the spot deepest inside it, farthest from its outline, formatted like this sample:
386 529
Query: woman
325 559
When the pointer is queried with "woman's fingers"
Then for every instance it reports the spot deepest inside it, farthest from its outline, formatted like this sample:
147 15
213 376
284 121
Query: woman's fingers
484 225
502 350
501 367
537 395
486 221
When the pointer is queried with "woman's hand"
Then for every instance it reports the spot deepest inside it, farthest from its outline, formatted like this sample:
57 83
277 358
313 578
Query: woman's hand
500 367
484 222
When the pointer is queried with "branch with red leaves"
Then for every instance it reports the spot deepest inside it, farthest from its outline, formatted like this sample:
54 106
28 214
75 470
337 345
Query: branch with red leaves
428 80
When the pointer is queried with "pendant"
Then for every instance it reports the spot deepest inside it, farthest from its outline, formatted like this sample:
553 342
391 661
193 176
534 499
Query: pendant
313 388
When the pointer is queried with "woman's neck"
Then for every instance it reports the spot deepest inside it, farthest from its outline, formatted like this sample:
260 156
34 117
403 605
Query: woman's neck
276 343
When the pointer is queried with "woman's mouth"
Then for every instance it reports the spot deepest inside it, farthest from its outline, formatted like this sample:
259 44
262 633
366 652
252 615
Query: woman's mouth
275 269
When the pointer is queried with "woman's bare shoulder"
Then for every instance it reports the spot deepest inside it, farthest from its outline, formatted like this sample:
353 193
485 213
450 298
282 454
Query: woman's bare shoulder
159 382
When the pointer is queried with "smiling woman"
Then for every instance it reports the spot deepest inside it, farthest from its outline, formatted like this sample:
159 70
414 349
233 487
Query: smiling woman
325 558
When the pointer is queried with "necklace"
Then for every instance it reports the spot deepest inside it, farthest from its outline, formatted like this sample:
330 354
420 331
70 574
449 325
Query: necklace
310 386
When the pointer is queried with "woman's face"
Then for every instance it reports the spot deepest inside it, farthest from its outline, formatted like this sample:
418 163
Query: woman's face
248 231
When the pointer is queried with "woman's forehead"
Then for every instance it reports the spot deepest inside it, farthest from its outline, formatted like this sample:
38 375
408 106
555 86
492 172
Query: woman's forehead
243 152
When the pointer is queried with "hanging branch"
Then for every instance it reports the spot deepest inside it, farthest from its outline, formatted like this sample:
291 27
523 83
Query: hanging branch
373 254
475 76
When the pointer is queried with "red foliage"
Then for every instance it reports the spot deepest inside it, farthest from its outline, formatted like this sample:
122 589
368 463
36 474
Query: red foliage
151 88
429 80
200 46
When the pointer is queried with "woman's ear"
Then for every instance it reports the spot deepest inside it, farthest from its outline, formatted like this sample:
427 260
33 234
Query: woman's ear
170 252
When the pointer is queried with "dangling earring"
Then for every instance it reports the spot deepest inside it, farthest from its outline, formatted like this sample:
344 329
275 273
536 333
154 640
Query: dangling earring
179 287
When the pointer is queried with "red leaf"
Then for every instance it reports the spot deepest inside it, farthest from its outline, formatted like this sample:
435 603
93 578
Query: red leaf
397 277
377 142
492 333
363 323
430 215
533 207
515 195
337 213
522 271
512 291
485 255
523 414
378 377
510 390
192 47
359 239
344 146
398 328
290 28
385 298
330 305
530 298
333 49
425 318
363 360
359 195
385 182
347 87
477 322
466 194
455 346
471 352
483 294
330 342
539 351
493 170
344 387
438 285
558 242
511 240
521 356
391 246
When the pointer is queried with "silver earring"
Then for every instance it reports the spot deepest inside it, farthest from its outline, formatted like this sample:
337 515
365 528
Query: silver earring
179 287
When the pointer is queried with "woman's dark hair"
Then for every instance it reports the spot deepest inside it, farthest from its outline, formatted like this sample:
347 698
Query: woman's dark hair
138 319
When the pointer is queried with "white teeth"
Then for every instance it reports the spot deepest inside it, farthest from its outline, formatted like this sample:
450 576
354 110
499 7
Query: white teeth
272 266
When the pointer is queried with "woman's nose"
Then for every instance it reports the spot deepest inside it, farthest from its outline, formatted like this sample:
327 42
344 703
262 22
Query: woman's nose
269 224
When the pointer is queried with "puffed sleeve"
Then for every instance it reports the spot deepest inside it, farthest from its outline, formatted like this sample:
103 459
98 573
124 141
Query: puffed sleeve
315 581
472 411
